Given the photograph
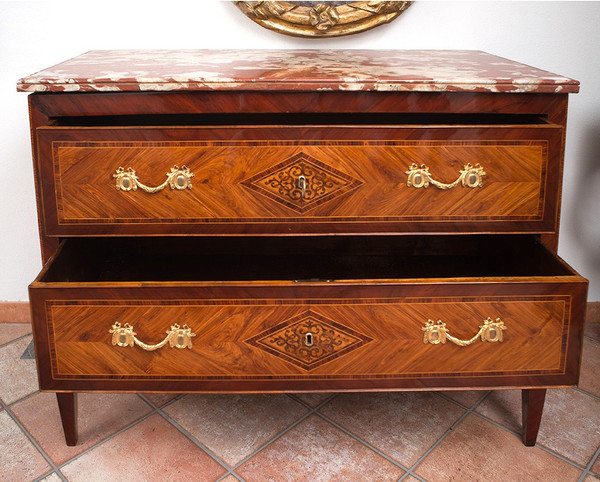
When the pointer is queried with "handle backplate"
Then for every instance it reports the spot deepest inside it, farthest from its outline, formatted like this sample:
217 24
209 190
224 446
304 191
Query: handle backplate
436 333
177 337
420 177
179 178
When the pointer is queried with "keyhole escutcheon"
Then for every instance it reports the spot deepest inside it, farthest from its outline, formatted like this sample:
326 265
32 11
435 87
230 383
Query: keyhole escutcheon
302 185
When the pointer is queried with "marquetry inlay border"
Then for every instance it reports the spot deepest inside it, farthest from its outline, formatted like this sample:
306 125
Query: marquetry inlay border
565 302
304 216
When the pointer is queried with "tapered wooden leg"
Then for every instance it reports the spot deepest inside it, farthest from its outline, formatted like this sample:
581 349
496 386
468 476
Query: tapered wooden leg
533 405
67 406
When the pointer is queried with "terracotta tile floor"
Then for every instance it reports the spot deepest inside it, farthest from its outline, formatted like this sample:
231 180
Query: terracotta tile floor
387 436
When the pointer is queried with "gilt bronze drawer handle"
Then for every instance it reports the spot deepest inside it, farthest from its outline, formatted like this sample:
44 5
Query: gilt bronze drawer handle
177 337
436 332
178 178
470 176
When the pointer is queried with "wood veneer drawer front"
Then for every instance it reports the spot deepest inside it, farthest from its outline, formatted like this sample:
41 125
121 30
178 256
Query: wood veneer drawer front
351 179
277 335
239 339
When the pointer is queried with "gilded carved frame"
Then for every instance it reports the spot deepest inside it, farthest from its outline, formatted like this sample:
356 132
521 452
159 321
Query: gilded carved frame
321 19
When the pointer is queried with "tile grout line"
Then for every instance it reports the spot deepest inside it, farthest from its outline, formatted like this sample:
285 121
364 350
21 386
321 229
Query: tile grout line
468 411
26 397
537 444
588 468
179 428
358 439
49 473
294 396
33 442
586 474
15 340
462 405
411 474
233 474
107 438
363 442
311 411
190 437
408 471
231 470
497 424
581 390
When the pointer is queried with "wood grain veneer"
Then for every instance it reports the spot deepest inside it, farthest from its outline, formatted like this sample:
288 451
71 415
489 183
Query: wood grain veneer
537 298
49 109
221 348
75 351
362 177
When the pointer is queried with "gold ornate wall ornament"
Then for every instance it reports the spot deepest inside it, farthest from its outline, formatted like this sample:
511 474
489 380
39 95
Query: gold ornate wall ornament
322 19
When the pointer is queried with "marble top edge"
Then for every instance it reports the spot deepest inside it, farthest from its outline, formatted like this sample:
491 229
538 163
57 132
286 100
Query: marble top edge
300 69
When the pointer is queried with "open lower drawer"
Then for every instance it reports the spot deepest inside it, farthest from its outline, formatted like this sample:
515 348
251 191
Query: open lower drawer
315 313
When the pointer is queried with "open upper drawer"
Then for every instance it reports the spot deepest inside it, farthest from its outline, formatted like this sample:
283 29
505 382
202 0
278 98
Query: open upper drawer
299 179
309 313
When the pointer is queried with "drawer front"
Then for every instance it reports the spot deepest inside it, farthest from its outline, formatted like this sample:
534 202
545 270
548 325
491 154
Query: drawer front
227 180
307 343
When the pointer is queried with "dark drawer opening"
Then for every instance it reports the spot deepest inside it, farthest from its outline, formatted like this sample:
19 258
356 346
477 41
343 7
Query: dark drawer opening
300 259
300 119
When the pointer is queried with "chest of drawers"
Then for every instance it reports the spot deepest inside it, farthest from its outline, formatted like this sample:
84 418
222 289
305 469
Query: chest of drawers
268 221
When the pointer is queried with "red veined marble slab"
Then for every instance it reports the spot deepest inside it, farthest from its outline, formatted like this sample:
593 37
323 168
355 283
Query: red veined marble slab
383 70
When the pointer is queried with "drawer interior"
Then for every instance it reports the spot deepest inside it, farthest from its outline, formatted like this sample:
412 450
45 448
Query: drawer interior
300 259
282 119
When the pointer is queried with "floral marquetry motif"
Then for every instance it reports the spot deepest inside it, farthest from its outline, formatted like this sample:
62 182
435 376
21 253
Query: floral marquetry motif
309 340
302 183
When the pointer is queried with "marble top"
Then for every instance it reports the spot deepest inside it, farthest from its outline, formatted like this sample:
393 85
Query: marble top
382 70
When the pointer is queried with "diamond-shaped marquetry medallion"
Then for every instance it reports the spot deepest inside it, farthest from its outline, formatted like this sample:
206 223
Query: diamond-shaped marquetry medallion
301 183
309 340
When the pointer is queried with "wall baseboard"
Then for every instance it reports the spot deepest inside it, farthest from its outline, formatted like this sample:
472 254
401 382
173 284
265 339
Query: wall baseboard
18 312
593 312
15 312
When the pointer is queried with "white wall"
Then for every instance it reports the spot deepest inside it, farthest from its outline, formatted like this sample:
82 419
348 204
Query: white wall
562 37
